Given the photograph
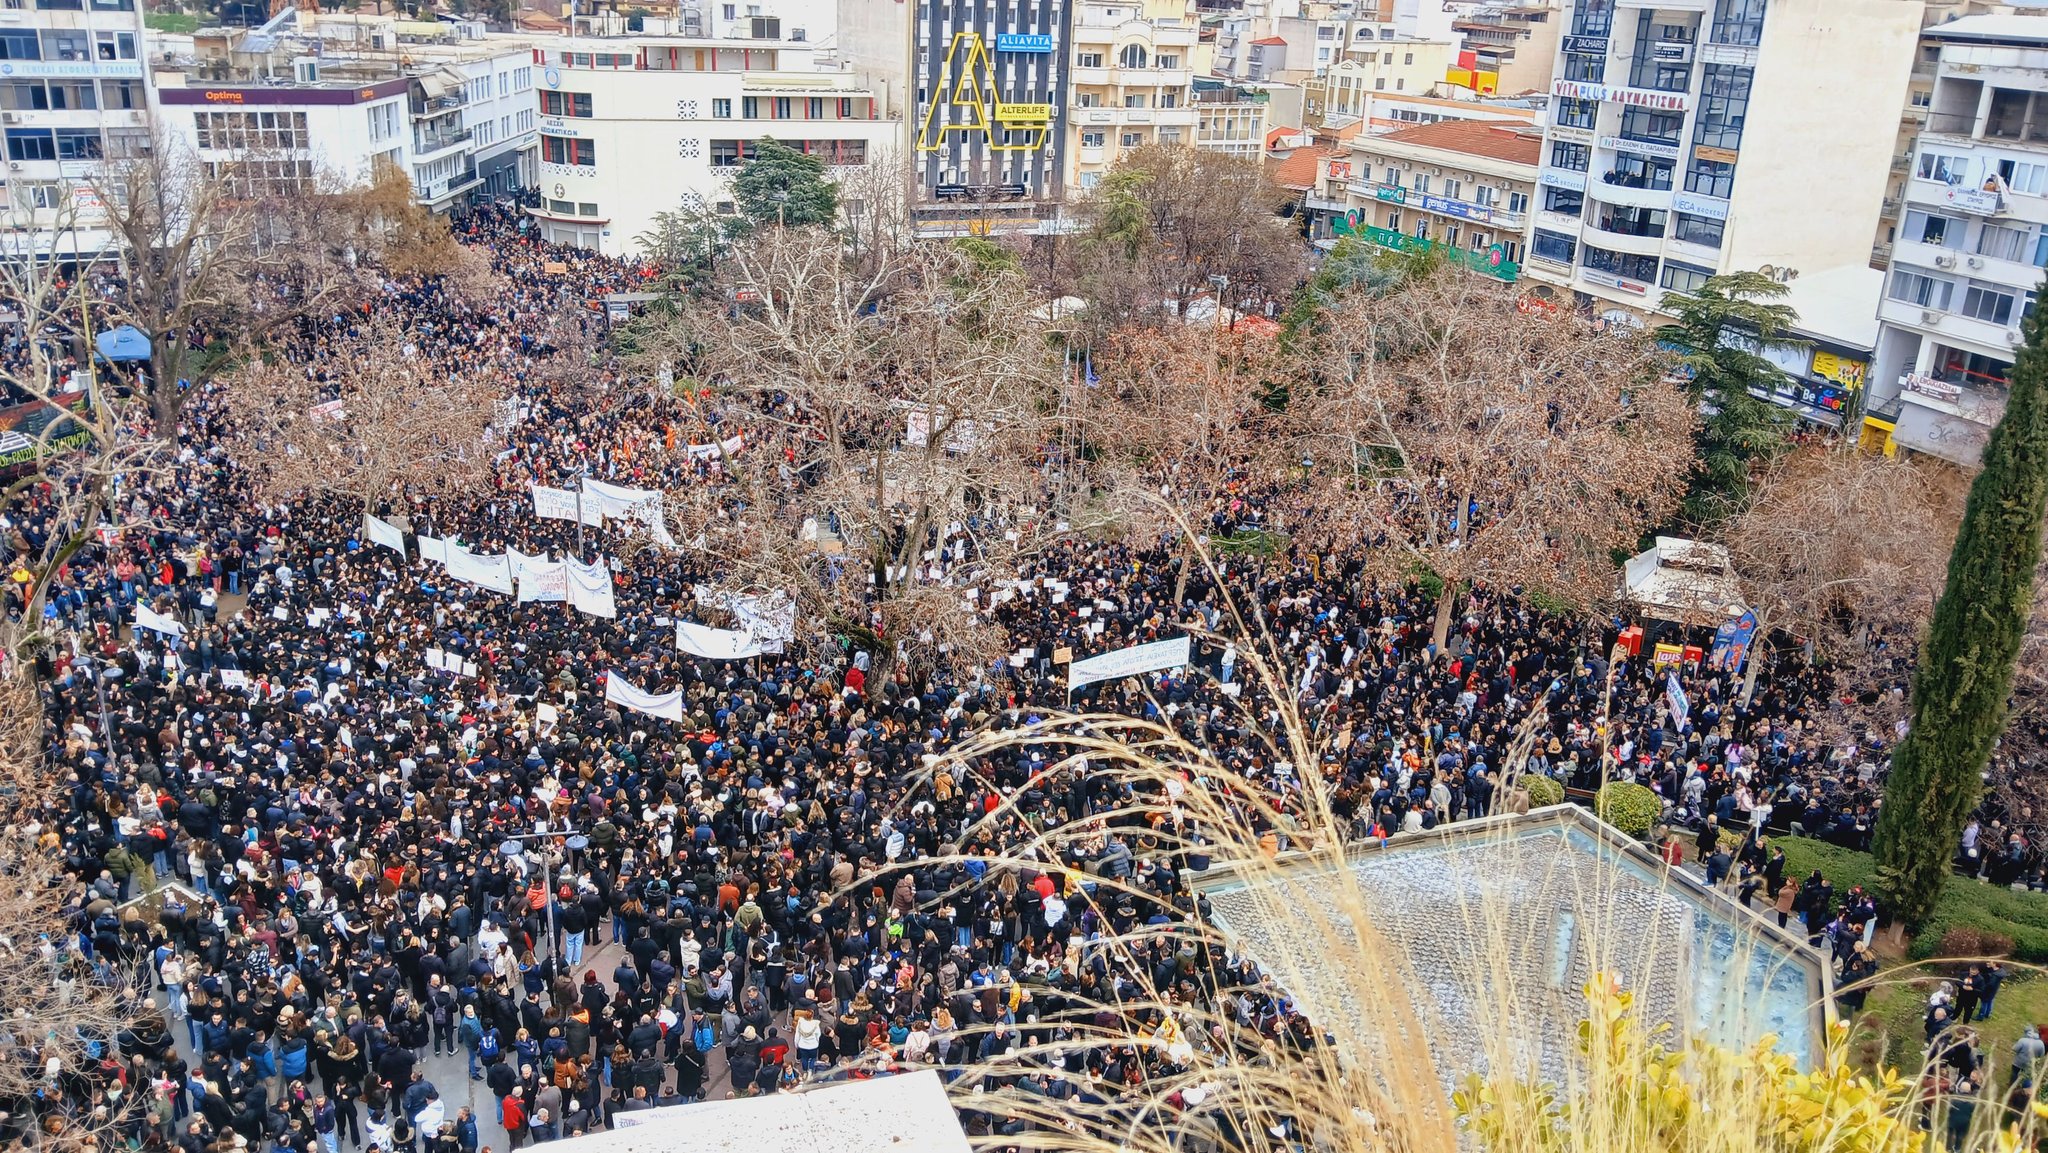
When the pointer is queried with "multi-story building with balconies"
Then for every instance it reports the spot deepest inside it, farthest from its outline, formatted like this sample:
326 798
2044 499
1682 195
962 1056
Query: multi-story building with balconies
633 125
1972 239
74 96
1688 138
1506 48
1459 187
305 98
1131 80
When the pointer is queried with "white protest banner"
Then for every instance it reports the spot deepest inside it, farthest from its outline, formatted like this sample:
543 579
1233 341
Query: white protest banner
616 501
767 617
620 691
433 548
385 533
234 679
1148 658
648 515
554 503
715 644
726 447
590 589
156 622
481 570
540 579
1675 700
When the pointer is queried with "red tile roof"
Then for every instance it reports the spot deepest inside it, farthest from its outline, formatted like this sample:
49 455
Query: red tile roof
1302 168
1516 144
1271 40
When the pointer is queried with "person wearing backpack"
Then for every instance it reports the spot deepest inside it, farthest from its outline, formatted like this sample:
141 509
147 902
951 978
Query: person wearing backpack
488 1045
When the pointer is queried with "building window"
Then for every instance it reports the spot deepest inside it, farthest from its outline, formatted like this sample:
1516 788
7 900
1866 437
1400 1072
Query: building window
1092 138
814 108
1724 104
1571 157
1701 230
1088 60
67 44
1563 200
1585 69
37 195
2003 243
1626 265
1639 172
1576 113
1651 127
129 143
1739 22
1134 100
1924 291
1422 183
1926 228
383 122
1650 72
1517 203
566 150
114 45
122 94
31 144
1169 60
1380 85
1593 17
1710 178
1684 277
565 104
1944 168
2027 178
19 44
1553 246
1132 139
1132 56
721 109
783 108
750 107
727 153
1988 303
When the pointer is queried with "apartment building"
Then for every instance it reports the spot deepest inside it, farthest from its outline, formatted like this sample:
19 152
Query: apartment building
74 96
1654 175
1459 187
305 98
1379 63
634 125
1506 49
1972 240
1235 118
1913 117
1132 83
982 92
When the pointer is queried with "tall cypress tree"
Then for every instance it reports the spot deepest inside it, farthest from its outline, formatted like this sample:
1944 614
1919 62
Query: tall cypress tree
1965 671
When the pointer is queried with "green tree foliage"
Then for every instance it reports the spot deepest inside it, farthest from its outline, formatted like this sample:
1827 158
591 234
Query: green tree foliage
684 243
1354 265
780 186
1964 676
1737 429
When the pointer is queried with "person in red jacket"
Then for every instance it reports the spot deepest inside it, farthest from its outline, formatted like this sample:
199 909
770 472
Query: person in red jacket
512 1112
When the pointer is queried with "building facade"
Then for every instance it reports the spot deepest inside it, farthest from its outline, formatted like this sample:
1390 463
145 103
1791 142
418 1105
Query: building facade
307 100
1687 138
1506 49
983 91
1132 83
74 96
1459 187
638 125
1972 241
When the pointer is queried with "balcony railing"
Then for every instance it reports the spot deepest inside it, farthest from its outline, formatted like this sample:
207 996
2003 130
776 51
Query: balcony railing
436 141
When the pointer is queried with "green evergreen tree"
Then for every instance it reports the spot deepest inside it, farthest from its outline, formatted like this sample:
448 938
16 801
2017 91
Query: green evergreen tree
782 186
1964 676
1737 428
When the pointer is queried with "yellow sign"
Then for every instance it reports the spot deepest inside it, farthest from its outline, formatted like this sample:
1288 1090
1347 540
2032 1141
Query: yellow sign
1717 155
1023 113
1666 655
1840 369
967 86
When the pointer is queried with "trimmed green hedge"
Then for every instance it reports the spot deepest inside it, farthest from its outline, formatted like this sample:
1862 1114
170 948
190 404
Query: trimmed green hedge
1542 790
1964 904
1628 807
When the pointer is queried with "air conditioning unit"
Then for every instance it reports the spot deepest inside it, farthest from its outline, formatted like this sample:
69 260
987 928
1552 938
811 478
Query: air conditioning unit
1930 316
10 117
1976 262
1944 262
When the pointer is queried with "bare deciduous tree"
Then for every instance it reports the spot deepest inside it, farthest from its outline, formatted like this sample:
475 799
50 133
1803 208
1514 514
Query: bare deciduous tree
894 418
375 417
1813 562
1448 432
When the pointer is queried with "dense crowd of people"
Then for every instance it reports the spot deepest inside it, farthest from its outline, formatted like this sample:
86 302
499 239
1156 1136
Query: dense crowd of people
377 862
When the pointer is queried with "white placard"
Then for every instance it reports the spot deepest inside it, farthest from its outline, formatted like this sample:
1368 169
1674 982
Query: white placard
620 691
383 532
